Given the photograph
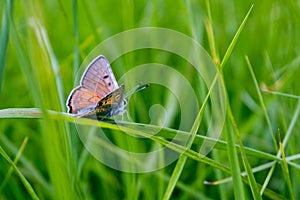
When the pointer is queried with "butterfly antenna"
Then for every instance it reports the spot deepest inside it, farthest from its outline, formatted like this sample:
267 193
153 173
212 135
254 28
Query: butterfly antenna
137 88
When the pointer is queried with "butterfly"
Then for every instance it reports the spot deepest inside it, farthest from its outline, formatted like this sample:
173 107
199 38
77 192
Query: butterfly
98 93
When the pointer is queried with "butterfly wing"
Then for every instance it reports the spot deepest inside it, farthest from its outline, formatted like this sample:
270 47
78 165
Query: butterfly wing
96 82
80 99
112 104
98 77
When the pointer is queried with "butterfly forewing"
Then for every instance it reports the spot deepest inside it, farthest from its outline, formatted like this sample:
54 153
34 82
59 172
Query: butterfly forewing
99 77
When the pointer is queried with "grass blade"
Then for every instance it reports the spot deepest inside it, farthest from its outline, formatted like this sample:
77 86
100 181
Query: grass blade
210 34
45 94
281 94
27 165
268 121
232 154
10 171
182 159
261 101
285 168
76 38
235 39
4 37
252 182
167 133
20 175
234 164
142 130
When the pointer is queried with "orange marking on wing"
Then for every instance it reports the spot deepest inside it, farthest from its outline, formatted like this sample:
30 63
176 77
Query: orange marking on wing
115 97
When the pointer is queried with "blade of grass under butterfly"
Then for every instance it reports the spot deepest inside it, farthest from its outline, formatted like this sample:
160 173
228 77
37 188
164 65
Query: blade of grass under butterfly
143 130
31 113
140 130
166 132
26 184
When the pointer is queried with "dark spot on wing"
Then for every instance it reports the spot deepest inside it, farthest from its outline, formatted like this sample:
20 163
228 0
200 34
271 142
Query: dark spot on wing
105 77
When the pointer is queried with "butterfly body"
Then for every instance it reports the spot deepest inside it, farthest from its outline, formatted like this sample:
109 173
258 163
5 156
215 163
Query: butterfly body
98 93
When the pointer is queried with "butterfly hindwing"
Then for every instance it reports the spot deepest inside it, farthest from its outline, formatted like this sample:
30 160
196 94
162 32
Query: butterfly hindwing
110 104
81 98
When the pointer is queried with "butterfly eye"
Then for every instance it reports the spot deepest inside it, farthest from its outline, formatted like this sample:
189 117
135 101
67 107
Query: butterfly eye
125 102
117 97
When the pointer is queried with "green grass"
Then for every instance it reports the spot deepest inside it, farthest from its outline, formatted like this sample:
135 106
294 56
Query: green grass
256 50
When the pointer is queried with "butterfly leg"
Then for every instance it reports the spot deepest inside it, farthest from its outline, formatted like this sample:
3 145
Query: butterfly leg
127 114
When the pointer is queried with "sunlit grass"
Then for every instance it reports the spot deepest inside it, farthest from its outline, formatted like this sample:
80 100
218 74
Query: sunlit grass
43 45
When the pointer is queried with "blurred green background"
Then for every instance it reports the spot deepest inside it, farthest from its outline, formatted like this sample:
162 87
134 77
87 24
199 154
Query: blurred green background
43 44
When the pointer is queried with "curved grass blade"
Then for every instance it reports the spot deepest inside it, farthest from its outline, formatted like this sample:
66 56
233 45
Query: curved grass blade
17 158
167 133
20 175
141 130
27 165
